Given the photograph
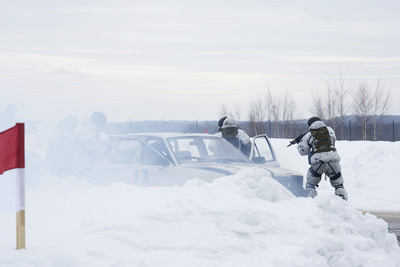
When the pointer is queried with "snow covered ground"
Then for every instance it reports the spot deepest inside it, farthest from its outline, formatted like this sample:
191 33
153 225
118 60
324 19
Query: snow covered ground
246 219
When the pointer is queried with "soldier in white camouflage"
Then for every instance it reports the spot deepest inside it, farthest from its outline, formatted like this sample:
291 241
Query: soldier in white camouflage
229 130
319 145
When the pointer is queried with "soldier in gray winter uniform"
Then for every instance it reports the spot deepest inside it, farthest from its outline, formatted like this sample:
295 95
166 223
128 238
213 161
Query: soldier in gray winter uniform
319 145
234 135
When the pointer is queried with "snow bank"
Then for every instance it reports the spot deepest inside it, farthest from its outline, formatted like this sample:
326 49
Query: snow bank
246 219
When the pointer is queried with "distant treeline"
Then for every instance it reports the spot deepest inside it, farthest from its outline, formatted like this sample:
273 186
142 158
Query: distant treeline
387 129
356 109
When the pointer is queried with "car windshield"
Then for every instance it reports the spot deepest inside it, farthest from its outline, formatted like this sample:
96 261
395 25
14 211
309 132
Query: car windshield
188 149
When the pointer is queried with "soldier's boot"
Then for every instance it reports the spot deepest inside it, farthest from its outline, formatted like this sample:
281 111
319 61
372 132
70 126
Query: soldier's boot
311 190
341 192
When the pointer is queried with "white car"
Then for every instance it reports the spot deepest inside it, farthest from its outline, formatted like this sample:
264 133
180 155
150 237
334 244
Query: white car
165 159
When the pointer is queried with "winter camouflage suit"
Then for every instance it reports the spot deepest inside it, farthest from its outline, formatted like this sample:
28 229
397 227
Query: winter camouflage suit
319 145
234 135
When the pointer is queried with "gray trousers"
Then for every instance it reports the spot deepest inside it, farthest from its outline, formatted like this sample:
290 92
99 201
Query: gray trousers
331 169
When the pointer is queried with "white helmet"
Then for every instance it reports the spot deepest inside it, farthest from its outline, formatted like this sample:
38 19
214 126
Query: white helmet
229 122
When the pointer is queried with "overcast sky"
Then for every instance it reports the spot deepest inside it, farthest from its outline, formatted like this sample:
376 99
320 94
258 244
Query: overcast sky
181 59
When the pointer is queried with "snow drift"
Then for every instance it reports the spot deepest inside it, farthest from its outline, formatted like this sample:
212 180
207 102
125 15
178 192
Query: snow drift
246 219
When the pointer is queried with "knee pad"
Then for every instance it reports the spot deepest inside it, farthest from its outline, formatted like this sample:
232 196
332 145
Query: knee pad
313 178
336 180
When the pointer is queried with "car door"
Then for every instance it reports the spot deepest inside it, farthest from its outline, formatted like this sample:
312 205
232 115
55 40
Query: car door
261 151
151 168
132 161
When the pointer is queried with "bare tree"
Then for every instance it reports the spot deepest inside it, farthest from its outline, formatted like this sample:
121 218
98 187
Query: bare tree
273 108
363 104
317 105
331 107
289 107
223 110
341 87
378 101
384 109
285 100
291 113
251 116
237 112
256 116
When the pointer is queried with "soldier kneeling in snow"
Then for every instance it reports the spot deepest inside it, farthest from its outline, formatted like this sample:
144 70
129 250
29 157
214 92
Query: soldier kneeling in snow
319 145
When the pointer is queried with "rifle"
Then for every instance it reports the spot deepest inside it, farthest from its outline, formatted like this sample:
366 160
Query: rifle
296 140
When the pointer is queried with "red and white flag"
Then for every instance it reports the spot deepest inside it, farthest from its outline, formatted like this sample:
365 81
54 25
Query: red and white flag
12 169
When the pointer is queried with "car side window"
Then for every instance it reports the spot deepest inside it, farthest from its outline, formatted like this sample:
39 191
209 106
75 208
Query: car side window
125 151
186 146
147 156
262 149
159 145
186 149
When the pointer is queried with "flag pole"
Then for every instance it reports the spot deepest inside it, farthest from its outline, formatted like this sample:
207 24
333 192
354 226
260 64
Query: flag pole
21 212
21 182
20 229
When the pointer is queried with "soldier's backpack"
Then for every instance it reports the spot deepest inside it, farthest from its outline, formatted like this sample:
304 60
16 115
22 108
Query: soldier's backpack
322 140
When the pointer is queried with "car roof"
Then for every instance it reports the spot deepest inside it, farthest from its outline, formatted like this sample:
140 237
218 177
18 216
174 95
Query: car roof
165 135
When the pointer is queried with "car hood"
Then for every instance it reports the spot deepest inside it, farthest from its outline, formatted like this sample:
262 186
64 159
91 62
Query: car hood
232 168
279 172
225 169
